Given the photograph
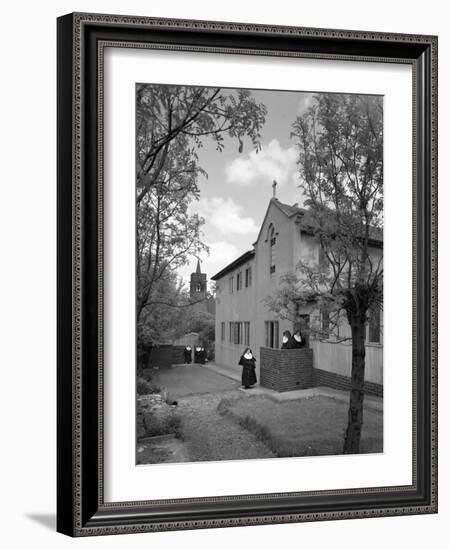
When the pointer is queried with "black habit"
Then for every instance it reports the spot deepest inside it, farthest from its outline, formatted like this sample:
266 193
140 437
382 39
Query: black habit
248 372
187 355
294 344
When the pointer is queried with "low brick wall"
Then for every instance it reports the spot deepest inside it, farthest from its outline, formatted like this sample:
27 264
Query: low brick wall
177 357
286 369
165 355
340 382
161 356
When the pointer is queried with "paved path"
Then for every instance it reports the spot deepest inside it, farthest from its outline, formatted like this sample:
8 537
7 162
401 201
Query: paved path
206 434
192 379
371 402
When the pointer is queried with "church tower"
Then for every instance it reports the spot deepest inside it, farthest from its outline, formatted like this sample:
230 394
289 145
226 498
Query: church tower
198 284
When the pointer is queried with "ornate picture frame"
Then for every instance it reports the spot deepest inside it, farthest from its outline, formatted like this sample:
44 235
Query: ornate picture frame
81 507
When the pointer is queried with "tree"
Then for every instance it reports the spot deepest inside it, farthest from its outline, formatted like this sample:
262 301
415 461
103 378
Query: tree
172 122
340 144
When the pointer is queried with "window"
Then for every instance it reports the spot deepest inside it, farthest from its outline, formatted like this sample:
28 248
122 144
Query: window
198 287
325 321
272 334
246 333
239 281
374 326
272 243
248 277
235 332
223 331
231 283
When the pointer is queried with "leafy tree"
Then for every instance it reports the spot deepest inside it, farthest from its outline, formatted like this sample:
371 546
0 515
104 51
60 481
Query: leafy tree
172 122
340 145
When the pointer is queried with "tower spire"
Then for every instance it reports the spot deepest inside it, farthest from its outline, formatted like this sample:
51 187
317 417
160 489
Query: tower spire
198 267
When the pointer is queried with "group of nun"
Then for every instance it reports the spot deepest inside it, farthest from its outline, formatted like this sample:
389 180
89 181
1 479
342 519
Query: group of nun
292 342
200 355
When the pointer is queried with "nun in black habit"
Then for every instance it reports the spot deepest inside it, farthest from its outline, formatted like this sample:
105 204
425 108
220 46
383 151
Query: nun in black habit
286 339
200 355
188 354
248 362
297 340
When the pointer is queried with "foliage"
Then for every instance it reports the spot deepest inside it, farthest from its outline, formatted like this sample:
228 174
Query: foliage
340 143
145 386
172 122
158 323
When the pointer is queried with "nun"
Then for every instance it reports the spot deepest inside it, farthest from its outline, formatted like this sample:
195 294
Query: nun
286 338
200 355
188 354
248 362
297 340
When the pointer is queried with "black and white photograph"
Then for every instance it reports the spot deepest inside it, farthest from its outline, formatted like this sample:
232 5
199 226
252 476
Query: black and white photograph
259 273
222 285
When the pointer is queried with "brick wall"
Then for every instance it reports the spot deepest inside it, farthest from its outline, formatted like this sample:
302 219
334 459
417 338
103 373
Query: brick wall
165 355
286 369
339 382
161 356
292 369
177 356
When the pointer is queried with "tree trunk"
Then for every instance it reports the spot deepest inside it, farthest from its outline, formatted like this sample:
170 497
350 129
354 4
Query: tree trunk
355 413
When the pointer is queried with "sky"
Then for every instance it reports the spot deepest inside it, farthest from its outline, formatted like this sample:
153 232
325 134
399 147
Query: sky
235 195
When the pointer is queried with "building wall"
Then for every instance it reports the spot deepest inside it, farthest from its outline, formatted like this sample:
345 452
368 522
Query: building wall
238 305
267 283
337 358
248 304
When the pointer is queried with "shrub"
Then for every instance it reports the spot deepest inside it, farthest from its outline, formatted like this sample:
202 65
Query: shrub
162 424
145 387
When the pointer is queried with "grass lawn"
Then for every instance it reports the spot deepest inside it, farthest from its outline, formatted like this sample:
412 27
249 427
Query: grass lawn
304 427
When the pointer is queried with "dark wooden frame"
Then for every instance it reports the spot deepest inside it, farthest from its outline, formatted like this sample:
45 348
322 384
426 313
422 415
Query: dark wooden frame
81 509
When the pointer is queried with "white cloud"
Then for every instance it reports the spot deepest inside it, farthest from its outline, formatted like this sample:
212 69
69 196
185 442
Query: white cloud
224 215
271 163
221 254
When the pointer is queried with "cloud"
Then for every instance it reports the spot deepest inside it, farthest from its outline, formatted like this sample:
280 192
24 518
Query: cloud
224 215
271 163
221 254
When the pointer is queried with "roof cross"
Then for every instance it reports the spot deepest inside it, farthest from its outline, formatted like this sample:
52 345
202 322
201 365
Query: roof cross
274 187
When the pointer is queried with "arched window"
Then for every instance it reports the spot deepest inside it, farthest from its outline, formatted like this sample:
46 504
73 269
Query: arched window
272 244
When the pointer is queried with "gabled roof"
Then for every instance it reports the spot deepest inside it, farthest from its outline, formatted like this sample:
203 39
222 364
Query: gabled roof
285 208
236 263
307 225
288 209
